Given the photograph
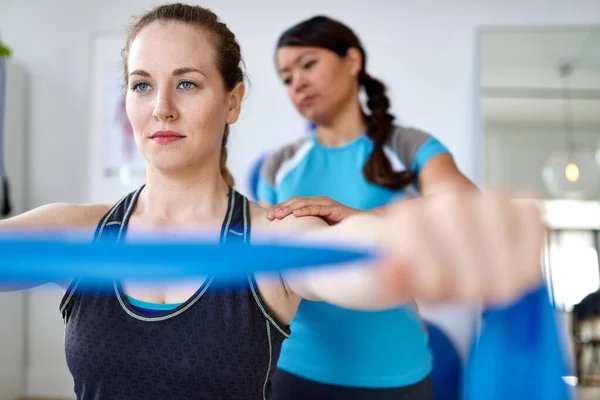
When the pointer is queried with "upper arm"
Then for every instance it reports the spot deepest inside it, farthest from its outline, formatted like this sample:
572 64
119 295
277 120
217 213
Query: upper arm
56 216
441 173
429 159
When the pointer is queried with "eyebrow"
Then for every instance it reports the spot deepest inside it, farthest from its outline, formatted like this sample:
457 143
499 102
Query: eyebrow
298 58
176 72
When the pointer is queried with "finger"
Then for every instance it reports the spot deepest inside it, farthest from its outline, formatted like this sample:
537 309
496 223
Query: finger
276 210
299 203
316 210
286 208
331 214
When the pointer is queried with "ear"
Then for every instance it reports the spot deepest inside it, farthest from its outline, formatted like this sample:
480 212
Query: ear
235 102
354 60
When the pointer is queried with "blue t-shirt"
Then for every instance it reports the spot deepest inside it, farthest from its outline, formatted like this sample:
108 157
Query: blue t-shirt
330 344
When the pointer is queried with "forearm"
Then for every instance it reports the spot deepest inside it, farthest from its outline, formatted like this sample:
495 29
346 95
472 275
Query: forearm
354 286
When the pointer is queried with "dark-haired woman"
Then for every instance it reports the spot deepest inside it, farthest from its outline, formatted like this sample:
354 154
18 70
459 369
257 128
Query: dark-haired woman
360 158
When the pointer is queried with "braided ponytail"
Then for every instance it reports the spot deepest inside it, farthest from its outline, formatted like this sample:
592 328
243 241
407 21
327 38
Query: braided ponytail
378 169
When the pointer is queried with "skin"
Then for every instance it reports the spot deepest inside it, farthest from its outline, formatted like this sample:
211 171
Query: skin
471 254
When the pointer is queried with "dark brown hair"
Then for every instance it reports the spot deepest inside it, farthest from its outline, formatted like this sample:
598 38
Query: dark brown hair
228 53
333 35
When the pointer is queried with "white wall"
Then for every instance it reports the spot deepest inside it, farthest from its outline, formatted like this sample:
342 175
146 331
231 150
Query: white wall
12 305
515 156
424 50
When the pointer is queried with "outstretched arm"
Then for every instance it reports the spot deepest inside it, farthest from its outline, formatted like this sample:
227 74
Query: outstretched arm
51 217
461 246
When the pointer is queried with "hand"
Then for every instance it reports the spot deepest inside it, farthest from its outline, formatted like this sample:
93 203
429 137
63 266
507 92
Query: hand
461 246
329 210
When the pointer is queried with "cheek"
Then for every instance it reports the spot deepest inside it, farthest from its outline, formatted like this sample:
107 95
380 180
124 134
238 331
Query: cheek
136 112
291 94
329 81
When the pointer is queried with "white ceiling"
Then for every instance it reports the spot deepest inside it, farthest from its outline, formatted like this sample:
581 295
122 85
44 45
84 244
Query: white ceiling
520 82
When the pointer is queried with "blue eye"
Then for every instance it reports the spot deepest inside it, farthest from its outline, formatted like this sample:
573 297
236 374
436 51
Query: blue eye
140 87
187 85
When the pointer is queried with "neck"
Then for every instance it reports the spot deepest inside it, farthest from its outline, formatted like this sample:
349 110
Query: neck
344 127
193 197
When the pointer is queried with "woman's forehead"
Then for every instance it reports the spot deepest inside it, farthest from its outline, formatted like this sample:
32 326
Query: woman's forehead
169 46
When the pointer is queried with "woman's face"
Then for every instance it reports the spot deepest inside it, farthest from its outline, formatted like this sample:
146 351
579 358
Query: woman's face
319 82
176 99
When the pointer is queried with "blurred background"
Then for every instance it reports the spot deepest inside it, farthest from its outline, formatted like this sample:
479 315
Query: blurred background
511 87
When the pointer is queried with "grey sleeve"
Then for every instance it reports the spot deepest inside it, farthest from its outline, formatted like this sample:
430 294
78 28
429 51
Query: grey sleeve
406 142
274 161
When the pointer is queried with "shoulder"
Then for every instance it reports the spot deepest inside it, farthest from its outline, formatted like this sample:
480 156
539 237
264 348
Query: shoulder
414 147
275 159
407 137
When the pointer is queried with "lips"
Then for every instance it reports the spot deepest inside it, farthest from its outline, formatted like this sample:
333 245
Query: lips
166 134
306 100
164 137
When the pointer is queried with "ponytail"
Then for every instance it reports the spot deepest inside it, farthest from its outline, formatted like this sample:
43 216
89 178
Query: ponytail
378 169
223 161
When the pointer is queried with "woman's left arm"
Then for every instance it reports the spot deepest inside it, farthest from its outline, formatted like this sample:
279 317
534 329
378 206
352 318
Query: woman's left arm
455 245
441 173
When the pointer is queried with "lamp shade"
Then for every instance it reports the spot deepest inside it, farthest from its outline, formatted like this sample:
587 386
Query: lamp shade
572 174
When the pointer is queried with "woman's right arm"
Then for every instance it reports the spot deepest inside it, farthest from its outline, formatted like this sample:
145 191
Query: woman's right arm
64 216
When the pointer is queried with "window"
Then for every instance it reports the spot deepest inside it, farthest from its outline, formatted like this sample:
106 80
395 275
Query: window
572 266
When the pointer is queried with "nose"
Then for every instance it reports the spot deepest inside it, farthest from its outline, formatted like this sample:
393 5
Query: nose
299 82
164 109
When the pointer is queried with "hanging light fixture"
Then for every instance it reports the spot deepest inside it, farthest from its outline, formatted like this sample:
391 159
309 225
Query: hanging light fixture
571 173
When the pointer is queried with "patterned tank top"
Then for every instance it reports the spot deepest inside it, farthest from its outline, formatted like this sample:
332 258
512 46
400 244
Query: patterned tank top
219 344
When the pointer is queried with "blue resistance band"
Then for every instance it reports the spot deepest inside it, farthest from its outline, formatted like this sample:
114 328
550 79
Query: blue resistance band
30 258
518 354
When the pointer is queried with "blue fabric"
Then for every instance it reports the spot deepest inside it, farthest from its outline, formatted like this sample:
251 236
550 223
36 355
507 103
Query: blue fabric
151 308
330 344
254 178
519 353
429 149
447 372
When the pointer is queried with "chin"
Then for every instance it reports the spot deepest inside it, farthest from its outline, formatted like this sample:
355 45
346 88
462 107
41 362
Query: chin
167 164
314 116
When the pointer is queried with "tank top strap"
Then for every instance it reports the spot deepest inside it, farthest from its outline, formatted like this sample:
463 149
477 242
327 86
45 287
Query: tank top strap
111 225
236 226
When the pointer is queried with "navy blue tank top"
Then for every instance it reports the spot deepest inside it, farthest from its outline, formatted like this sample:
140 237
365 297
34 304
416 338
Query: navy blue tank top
219 344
